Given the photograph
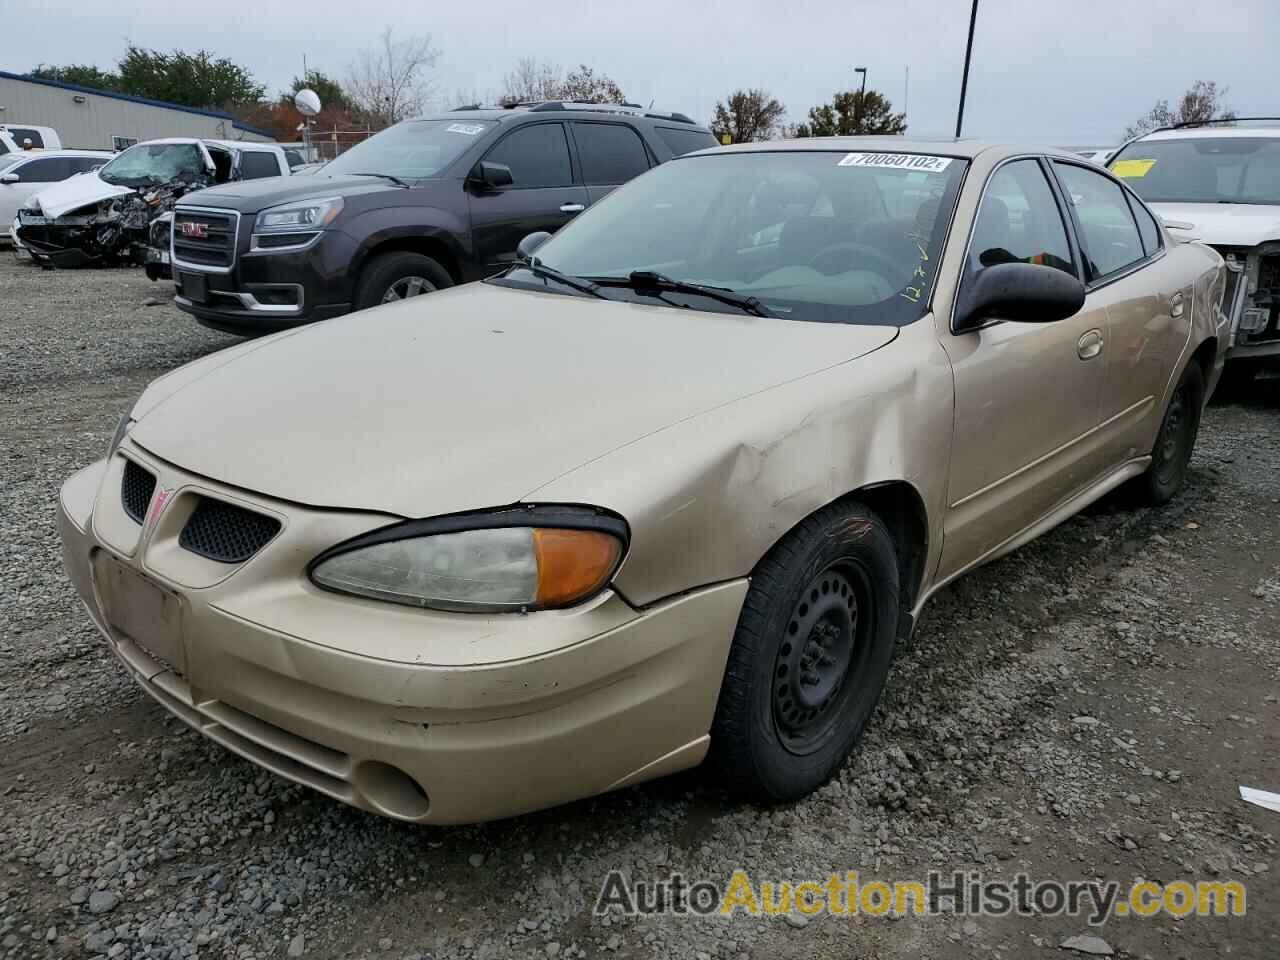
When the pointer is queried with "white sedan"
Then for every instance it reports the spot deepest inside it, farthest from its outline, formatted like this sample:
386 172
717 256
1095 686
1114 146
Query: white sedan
22 175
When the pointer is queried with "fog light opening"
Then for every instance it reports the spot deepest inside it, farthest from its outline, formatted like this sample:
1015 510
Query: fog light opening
392 791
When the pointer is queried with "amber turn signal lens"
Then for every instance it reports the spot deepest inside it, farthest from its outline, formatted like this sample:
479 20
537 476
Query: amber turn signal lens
572 563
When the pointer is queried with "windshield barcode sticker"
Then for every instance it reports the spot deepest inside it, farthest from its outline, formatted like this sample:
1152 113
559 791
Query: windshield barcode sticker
896 161
470 129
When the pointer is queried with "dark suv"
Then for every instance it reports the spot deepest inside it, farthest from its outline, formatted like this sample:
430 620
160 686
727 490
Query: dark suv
425 204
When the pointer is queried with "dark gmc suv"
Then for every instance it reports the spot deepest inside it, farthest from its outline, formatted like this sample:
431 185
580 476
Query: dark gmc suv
423 205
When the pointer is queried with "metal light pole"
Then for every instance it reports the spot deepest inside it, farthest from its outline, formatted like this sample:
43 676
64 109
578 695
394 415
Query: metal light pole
862 96
968 55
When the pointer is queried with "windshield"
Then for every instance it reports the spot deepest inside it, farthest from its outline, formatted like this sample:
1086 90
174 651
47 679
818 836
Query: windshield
828 236
8 160
411 150
155 163
1202 170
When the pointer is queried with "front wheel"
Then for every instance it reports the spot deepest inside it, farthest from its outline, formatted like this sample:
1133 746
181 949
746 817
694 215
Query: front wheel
1171 456
810 655
397 276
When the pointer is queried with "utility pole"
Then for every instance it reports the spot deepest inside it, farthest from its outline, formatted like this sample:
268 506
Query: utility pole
862 96
964 82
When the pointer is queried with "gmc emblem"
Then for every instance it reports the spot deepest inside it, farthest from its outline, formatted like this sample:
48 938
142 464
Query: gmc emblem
198 230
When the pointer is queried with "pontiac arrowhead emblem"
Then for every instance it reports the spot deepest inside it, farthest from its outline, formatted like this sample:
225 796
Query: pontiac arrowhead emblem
157 505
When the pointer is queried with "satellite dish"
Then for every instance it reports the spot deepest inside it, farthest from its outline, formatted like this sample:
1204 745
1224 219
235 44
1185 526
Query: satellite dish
307 102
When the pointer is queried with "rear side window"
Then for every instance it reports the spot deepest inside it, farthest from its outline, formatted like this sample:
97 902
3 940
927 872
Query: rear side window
1147 228
610 152
256 164
22 134
48 170
538 156
1110 234
686 141
1019 221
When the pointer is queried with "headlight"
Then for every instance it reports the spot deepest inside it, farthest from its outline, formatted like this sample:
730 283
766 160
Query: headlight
529 558
122 429
306 216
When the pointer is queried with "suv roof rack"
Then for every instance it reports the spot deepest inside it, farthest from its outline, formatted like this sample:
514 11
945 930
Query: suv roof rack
541 106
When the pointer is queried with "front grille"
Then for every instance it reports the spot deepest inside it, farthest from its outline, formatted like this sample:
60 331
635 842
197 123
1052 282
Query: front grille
212 240
136 488
226 533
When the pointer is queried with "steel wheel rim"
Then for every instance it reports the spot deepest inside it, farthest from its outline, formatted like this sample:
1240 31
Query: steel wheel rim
407 287
823 646
1172 436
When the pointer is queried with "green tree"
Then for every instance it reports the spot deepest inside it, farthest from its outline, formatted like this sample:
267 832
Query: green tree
1202 101
747 116
81 74
195 79
850 114
329 90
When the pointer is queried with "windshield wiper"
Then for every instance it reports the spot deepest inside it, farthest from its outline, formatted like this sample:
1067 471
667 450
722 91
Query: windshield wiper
649 280
385 176
576 283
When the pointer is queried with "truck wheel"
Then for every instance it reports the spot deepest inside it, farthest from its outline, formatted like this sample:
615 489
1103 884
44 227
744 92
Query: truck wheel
810 655
1175 442
395 276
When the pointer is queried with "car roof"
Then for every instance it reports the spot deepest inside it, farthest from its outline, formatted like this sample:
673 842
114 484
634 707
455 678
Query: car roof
225 144
59 152
1211 132
966 149
561 110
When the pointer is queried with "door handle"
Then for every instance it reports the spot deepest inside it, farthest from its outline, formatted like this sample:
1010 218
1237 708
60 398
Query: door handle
1175 305
1089 345
572 207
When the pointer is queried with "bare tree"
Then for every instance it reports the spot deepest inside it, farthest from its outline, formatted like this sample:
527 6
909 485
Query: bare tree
1203 101
586 86
532 79
747 116
389 82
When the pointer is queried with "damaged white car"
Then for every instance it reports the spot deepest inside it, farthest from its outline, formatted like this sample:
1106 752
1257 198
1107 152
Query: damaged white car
1221 185
121 213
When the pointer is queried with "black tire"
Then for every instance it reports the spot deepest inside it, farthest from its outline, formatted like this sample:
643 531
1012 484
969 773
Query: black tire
387 272
1175 442
787 718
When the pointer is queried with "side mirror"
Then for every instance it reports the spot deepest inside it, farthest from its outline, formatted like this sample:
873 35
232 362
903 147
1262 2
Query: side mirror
10 178
1024 292
526 248
492 175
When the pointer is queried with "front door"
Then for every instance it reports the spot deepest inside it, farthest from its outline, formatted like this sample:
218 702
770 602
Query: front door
542 196
1027 395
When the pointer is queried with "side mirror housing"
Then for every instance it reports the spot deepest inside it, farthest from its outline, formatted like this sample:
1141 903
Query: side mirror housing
1023 292
10 178
491 175
527 247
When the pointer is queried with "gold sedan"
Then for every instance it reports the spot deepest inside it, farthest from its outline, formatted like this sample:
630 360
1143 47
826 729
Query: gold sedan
669 488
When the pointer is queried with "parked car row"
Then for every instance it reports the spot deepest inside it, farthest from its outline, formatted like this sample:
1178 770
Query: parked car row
669 485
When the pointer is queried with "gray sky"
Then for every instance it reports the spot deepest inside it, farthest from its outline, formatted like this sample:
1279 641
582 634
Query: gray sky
1063 71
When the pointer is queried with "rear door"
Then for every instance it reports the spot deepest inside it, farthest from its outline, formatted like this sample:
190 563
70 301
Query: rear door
1027 395
545 192
609 154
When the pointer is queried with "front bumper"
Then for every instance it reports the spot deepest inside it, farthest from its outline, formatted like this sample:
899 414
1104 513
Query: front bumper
418 715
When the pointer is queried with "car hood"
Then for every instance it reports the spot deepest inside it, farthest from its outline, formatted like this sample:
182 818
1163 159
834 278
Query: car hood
468 398
74 193
251 196
1223 224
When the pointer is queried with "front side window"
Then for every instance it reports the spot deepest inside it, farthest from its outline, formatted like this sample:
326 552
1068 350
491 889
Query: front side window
1019 221
610 152
1110 234
150 163
48 170
812 235
538 156
1202 169
412 150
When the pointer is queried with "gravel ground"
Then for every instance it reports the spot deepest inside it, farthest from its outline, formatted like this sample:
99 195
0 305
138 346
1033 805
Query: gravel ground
1082 709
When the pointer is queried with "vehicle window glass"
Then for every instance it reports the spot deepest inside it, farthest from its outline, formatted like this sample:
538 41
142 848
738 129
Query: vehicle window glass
538 156
256 164
686 141
152 163
1146 227
84 164
48 170
610 152
1202 169
22 134
414 149
1019 221
10 159
3 148
808 233
1110 233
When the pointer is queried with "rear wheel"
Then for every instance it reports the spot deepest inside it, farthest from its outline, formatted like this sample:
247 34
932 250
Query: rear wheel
397 276
810 655
1171 456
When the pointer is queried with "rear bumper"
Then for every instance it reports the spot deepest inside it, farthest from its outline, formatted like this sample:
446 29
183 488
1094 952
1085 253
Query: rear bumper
417 715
